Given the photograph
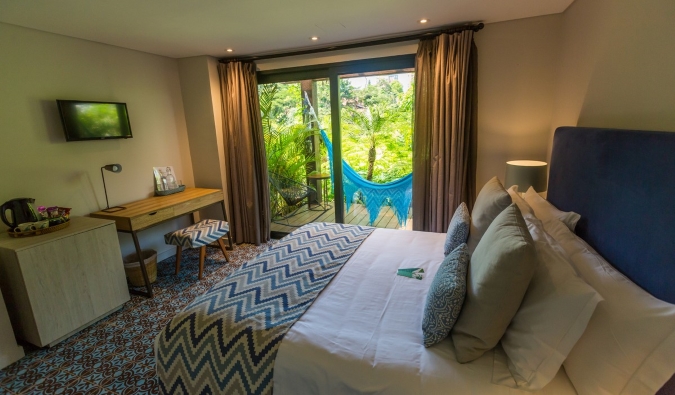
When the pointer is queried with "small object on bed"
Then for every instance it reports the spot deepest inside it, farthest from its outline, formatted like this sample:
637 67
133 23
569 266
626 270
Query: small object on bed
416 273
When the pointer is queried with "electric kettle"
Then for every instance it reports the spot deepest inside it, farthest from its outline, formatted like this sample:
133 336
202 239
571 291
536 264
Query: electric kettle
21 210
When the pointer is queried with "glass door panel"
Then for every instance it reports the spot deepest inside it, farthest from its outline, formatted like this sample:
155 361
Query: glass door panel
293 114
376 129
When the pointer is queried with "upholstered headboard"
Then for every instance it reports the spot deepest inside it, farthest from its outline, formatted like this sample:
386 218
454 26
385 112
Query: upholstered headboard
622 182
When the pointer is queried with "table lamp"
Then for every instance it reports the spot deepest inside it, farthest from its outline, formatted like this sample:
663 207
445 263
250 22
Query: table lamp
115 168
526 174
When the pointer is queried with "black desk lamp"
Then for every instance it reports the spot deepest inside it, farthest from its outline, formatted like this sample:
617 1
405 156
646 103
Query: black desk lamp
115 168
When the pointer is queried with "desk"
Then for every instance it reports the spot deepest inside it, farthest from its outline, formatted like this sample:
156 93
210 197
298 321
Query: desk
146 213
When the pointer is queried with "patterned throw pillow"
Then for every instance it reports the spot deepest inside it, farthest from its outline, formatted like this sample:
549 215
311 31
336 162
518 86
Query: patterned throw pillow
446 296
458 231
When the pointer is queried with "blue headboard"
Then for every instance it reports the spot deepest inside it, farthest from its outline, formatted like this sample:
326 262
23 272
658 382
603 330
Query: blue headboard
622 182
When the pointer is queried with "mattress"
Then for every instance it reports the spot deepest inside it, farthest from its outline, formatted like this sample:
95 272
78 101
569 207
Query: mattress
363 334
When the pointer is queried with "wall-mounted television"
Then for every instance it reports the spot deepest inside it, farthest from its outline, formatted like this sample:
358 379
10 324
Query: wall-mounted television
90 120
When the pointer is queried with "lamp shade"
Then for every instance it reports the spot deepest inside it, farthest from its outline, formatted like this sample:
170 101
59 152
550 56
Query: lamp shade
526 174
115 167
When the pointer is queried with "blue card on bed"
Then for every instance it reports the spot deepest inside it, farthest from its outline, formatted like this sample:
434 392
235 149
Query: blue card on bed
414 272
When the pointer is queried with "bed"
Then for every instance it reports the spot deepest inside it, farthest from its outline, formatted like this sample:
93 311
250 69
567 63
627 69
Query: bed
361 333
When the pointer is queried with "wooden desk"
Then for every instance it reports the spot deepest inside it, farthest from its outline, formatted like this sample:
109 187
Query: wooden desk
146 213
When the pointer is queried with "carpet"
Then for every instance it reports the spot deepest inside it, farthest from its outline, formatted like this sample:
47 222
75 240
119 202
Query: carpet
115 355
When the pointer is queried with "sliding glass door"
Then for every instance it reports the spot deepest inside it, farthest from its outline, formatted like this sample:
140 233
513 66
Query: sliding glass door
376 123
339 143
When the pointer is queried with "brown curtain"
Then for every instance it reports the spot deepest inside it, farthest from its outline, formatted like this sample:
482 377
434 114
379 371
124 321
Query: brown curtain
444 142
245 160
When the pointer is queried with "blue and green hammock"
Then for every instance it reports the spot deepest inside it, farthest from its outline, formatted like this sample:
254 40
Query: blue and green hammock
374 195
398 193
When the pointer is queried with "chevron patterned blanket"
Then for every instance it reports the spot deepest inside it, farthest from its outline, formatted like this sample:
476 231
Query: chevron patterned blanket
226 340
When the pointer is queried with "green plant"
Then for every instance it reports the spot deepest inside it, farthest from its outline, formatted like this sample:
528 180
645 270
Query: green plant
285 138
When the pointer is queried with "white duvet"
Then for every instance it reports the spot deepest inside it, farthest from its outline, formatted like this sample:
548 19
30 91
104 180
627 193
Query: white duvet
363 334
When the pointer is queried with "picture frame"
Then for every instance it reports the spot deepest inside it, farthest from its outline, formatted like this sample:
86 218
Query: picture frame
165 178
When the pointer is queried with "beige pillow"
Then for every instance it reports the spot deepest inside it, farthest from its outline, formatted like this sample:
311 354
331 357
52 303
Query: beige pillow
544 210
491 200
499 272
629 344
552 317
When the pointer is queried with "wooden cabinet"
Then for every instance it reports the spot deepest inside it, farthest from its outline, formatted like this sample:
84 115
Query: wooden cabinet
59 283
10 352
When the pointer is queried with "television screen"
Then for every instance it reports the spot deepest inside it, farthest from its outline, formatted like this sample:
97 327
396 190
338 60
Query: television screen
94 120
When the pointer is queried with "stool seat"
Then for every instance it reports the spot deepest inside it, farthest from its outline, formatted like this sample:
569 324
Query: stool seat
199 235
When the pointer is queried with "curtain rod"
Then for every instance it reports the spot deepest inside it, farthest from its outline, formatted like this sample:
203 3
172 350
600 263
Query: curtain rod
390 40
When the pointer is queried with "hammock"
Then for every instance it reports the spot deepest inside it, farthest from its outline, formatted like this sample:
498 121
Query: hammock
375 195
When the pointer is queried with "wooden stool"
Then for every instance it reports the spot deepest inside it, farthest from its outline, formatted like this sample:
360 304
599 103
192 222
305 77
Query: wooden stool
199 235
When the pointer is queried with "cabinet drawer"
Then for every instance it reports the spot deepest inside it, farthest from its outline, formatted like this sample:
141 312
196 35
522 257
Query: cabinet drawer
195 204
151 218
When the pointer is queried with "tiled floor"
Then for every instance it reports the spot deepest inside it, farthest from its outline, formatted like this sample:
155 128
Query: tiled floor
115 355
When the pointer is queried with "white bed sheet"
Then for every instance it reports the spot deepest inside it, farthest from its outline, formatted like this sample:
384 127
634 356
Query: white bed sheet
362 335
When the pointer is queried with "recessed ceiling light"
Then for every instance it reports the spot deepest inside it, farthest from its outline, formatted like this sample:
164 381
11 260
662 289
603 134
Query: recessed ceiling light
229 50
314 38
424 20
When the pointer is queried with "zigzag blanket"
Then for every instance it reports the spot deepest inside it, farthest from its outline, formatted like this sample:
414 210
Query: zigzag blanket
227 339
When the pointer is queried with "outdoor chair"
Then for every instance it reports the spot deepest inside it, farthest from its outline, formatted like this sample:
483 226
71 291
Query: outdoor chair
291 191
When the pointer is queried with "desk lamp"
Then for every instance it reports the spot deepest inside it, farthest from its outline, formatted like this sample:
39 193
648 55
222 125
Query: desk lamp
526 174
115 168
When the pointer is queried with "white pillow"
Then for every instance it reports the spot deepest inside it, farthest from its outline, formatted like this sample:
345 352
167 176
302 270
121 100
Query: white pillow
552 317
544 210
525 208
629 344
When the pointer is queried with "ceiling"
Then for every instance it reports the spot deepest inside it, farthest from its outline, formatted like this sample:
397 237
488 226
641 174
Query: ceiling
182 28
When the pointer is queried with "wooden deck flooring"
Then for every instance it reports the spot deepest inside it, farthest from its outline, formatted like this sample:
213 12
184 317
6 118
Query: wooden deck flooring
357 215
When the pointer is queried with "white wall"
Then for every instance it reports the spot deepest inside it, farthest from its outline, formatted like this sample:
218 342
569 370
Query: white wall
517 66
36 68
617 65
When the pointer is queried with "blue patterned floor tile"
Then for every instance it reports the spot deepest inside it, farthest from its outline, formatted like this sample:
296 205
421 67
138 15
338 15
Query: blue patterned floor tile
130 376
5 391
28 376
17 367
58 383
95 370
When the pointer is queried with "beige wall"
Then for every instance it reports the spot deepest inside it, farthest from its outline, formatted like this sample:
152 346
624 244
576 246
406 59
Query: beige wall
617 65
517 65
36 68
200 88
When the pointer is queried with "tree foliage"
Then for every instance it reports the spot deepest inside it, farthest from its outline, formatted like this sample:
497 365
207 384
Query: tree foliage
376 121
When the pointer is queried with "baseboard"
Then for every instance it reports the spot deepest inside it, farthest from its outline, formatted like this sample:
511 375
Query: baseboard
166 253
